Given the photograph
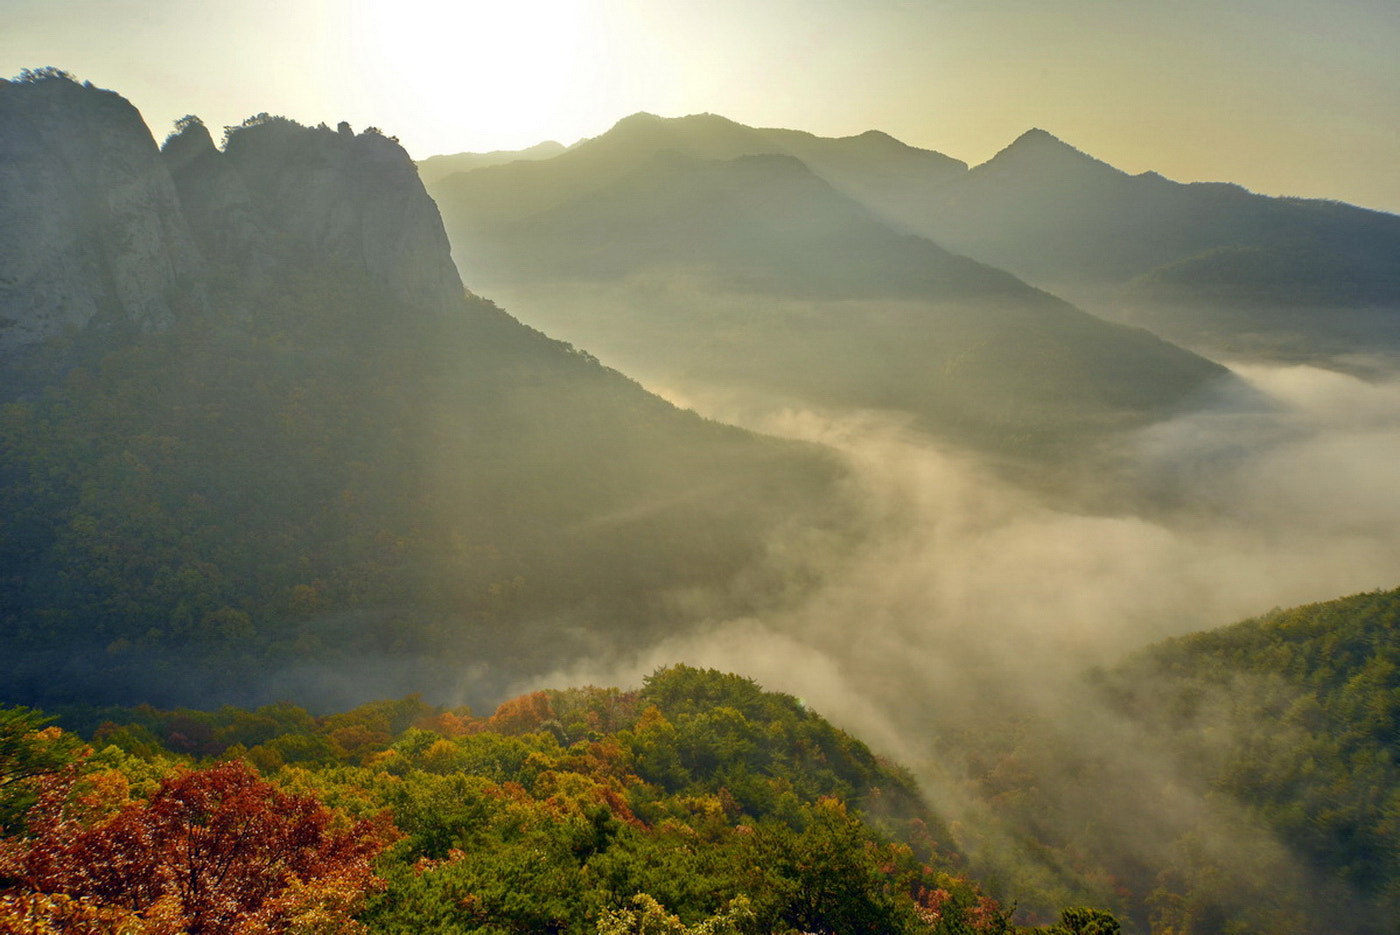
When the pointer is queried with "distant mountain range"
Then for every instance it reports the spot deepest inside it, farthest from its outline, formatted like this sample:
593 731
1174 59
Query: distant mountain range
708 254
1209 263
437 167
1206 263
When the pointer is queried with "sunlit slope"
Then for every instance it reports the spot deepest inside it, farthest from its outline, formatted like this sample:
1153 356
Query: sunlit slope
755 273
597 811
340 476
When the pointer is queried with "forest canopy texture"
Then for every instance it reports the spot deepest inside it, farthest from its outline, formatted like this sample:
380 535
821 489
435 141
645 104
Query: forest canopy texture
698 804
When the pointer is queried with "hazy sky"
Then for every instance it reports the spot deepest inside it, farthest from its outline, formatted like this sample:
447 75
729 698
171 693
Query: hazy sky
1284 96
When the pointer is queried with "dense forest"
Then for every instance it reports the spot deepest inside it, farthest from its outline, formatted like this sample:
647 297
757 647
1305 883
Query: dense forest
1295 716
699 803
326 478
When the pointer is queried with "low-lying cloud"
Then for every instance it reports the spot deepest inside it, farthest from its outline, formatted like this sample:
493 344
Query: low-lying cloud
1270 506
977 595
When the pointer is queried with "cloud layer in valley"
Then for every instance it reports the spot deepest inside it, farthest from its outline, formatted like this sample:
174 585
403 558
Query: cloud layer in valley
976 596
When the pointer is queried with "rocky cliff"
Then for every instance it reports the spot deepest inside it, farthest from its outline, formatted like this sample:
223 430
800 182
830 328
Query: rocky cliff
91 231
280 189
100 229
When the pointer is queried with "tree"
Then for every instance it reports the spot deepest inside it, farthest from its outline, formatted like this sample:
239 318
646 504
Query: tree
651 918
236 854
28 750
1078 920
46 73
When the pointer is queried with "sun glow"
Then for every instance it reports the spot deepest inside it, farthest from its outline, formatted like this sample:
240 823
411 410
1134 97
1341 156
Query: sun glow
497 69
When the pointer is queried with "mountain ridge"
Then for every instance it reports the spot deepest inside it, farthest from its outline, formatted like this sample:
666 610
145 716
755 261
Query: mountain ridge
342 474
763 268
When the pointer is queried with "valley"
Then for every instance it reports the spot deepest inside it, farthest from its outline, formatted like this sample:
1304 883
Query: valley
817 412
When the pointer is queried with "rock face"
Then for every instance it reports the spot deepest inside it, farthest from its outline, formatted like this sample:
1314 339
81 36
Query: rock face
100 229
296 191
91 231
219 207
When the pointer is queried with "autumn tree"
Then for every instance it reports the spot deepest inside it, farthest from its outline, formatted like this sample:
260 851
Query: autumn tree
28 750
234 854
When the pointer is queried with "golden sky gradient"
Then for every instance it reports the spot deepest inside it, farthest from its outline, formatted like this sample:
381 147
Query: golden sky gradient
1295 97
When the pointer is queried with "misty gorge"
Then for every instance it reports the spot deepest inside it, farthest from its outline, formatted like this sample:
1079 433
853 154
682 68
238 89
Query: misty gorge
1066 495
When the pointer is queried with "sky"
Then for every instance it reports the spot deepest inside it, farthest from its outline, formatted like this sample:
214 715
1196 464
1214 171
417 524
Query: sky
1295 97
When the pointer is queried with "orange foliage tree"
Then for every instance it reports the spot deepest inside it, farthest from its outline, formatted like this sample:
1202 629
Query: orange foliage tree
220 848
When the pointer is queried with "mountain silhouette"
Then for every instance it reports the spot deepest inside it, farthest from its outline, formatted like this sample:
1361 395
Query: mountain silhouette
689 251
439 167
1208 263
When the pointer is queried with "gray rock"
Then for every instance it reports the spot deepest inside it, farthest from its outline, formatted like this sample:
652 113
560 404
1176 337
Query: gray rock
352 199
100 229
91 231
219 208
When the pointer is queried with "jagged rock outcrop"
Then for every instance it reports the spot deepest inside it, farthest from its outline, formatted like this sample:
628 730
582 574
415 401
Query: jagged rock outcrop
333 195
91 231
219 207
99 229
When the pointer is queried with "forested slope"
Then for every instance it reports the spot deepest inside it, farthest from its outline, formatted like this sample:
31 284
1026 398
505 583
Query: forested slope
323 470
331 485
1238 780
697 804
1296 716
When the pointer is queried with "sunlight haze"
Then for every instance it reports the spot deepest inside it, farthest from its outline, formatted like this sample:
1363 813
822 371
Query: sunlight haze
1290 98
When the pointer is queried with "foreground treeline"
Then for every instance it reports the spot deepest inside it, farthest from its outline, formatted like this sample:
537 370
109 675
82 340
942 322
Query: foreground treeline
698 804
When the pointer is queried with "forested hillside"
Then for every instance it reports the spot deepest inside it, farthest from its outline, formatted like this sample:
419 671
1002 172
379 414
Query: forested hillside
698 804
340 490
1239 780
1296 716
326 470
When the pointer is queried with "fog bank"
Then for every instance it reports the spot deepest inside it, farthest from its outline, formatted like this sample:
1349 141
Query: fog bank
976 597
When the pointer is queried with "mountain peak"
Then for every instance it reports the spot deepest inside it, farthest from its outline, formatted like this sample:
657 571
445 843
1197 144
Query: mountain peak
1041 150
61 142
1036 139
188 142
643 121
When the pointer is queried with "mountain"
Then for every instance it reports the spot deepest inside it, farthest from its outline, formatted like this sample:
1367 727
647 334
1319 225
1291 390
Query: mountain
329 197
336 474
862 166
434 168
1207 263
689 252
92 232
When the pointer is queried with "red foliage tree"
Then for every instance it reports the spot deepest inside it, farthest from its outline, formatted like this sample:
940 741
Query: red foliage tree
522 715
235 853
